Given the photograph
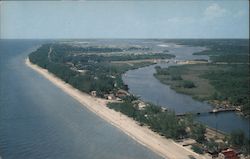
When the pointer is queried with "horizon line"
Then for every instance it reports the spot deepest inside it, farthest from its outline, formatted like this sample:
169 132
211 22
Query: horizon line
124 38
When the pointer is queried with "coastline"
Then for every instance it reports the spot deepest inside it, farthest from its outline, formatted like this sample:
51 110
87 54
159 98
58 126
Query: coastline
166 148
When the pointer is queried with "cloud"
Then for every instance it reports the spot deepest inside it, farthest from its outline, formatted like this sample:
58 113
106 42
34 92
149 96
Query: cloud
214 11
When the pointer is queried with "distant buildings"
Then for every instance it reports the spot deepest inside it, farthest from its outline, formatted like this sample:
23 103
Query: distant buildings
116 96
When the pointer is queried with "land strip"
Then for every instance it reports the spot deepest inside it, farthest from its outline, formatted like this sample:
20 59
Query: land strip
166 148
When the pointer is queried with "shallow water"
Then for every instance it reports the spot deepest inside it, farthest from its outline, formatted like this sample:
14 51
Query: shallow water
38 120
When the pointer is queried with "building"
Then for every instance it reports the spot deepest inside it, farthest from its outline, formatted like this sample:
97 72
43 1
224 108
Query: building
141 105
110 96
121 93
93 93
228 154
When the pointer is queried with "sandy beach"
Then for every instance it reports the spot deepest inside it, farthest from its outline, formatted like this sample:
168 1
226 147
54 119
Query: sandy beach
166 148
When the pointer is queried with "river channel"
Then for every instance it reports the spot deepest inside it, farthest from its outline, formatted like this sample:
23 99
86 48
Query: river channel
142 83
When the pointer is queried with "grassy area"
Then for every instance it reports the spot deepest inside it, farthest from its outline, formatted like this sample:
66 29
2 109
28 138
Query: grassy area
212 82
202 88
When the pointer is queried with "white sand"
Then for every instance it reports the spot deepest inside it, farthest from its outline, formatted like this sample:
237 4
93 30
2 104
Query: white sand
166 148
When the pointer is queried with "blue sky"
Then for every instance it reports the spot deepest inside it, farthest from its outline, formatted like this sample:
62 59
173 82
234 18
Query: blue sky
125 19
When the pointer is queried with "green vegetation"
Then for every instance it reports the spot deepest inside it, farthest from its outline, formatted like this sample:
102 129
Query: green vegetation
164 122
97 71
232 84
104 77
185 79
188 84
225 81
231 58
64 48
214 83
90 69
213 146
167 124
238 140
230 51
105 58
198 132
221 50
197 149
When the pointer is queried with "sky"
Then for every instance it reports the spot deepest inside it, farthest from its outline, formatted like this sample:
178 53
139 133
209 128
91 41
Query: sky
124 19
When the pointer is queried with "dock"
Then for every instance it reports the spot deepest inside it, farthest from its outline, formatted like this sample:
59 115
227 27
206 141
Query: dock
213 111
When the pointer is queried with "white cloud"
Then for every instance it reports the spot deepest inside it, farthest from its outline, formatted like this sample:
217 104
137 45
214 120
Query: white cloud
214 11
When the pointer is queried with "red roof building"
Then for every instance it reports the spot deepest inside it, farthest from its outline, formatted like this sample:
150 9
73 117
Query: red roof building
228 154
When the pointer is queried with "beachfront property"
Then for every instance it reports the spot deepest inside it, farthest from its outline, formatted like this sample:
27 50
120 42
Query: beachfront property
93 93
228 154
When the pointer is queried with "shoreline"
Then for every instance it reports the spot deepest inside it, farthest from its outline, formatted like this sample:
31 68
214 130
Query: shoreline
215 104
166 148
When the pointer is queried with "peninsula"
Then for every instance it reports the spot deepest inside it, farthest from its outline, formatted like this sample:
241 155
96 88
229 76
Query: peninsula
166 148
92 74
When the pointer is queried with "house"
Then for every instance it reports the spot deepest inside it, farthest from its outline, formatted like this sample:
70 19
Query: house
141 105
213 152
110 96
118 99
228 154
93 93
81 71
121 93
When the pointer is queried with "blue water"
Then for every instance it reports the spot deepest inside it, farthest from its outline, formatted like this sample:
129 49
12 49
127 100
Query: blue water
141 82
38 120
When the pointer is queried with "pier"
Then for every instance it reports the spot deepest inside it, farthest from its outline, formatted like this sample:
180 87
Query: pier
213 111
